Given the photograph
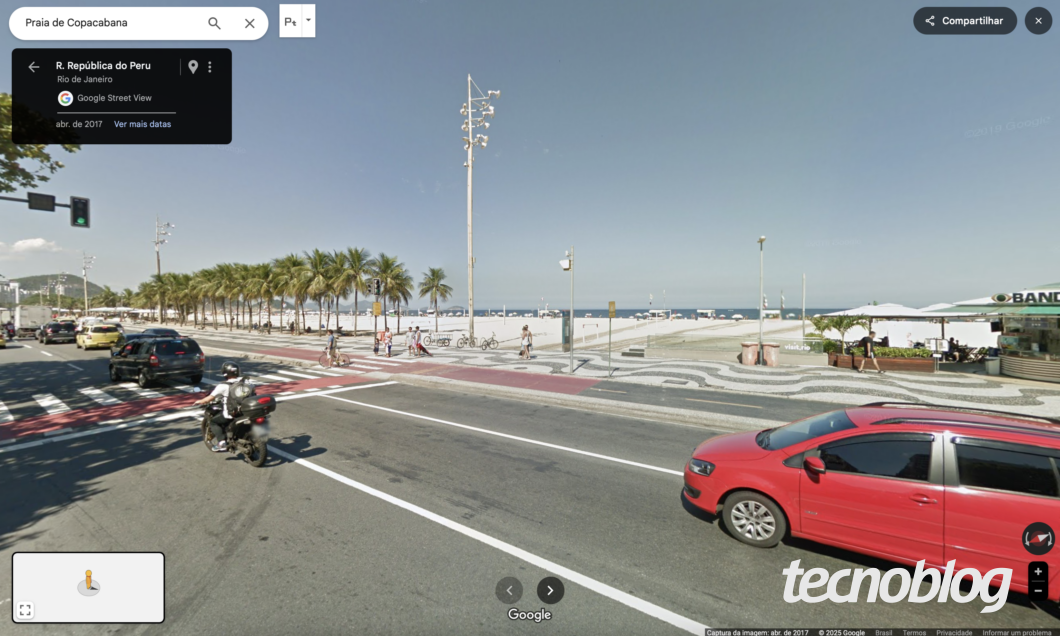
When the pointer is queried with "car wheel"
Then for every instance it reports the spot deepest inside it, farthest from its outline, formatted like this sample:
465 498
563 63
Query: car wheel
754 519
195 379
115 376
143 380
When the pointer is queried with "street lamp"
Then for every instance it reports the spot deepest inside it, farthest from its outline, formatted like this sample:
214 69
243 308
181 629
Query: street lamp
568 266
160 231
86 264
475 106
761 294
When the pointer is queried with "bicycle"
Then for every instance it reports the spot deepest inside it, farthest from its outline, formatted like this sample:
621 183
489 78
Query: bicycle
466 341
340 360
490 343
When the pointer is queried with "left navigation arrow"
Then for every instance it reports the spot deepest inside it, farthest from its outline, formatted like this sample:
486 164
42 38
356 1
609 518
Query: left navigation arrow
33 67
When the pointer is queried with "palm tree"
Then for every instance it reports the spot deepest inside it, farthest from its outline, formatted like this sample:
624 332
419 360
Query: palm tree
400 290
387 269
318 264
434 287
287 270
355 268
843 324
105 298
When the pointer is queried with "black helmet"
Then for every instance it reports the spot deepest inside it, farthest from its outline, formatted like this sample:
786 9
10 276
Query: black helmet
230 369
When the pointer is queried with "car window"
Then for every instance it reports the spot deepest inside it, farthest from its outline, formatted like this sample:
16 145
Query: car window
1001 469
881 456
804 430
104 329
175 347
65 326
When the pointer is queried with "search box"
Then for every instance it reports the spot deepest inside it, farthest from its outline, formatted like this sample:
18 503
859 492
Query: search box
138 23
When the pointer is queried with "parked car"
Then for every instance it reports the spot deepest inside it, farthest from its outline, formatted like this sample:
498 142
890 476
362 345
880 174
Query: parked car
161 331
151 359
897 481
125 339
56 332
97 336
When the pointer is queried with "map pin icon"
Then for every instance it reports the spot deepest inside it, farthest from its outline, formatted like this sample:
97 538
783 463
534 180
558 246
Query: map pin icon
194 66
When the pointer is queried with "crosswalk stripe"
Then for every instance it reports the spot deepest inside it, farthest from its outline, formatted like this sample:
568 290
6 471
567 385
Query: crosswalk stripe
334 375
297 375
99 396
385 364
51 404
361 366
135 388
5 415
278 378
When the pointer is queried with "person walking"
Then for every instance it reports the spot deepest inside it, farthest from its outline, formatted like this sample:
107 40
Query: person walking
332 347
388 340
409 341
524 351
868 344
529 342
420 349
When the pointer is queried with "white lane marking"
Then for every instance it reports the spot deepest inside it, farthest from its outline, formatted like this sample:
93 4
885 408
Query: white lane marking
334 386
286 393
100 397
25 345
565 573
334 375
51 404
385 364
278 378
311 389
118 424
5 415
74 366
361 366
47 354
299 375
135 388
514 437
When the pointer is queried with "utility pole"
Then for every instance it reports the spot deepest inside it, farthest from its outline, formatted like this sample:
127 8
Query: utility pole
86 264
761 295
160 231
475 105
804 307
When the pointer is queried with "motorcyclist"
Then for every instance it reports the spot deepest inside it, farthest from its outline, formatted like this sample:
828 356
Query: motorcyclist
219 423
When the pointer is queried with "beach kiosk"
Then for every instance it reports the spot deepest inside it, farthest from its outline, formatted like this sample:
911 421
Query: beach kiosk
1027 324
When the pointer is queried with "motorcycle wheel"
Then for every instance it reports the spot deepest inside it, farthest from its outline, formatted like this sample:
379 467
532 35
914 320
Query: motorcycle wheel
257 453
207 434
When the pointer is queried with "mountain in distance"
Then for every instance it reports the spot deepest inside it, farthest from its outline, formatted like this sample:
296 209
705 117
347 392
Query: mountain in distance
72 287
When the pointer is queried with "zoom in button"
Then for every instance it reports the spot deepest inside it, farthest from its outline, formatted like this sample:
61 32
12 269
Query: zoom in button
966 20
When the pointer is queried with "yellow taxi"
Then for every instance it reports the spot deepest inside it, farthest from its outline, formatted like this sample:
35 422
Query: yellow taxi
3 339
98 336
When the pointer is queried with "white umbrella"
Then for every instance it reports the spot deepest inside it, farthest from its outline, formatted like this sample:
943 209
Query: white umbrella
885 310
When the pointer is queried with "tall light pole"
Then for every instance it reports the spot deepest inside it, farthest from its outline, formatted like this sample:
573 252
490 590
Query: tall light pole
480 106
160 231
761 294
568 266
59 291
86 264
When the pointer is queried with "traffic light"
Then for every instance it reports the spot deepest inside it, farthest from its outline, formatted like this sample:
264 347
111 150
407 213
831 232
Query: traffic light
377 286
79 212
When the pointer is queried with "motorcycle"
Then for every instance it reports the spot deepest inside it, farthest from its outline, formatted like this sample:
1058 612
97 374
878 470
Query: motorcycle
248 432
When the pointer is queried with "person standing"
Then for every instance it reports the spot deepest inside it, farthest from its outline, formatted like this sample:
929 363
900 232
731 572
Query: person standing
409 341
868 344
524 351
529 342
332 346
388 340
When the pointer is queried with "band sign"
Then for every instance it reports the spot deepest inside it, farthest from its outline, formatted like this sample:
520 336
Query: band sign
611 309
1027 297
42 202
377 309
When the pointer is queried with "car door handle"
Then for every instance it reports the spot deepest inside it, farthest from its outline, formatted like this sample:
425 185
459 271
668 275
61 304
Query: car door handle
923 499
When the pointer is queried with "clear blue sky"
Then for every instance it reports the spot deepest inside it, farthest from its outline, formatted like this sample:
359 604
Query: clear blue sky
659 138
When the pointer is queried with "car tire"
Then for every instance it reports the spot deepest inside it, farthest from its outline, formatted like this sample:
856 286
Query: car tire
754 519
195 379
115 375
143 380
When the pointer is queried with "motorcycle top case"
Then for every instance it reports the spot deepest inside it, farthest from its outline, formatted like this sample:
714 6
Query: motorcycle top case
258 405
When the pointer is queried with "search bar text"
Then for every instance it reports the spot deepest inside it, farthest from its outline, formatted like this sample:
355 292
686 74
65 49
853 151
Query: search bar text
138 23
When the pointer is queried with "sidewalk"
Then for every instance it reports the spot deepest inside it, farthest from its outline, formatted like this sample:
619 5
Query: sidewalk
815 383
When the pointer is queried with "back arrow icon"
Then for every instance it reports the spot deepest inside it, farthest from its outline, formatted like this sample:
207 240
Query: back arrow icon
33 67
509 590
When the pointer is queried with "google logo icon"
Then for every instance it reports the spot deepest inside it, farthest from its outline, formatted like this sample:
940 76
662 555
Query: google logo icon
66 98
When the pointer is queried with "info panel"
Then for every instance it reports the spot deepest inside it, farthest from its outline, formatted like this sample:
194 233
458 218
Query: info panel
121 96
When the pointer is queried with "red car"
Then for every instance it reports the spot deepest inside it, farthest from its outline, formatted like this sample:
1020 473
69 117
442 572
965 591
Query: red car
902 482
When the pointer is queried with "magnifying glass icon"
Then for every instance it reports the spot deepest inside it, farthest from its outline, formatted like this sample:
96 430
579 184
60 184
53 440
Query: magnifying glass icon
213 23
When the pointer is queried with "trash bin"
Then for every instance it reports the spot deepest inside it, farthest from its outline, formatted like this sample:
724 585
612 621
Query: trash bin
993 365
771 353
566 331
749 353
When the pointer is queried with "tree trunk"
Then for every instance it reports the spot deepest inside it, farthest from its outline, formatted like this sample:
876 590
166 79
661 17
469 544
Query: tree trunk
355 311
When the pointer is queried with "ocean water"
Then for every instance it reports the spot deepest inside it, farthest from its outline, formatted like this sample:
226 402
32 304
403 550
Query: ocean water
748 314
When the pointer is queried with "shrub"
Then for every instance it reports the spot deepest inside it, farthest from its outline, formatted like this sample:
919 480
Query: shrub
895 352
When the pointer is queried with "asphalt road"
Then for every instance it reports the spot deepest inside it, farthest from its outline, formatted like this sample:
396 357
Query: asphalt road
432 497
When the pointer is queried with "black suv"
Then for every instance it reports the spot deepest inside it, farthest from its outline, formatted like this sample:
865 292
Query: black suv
152 359
56 332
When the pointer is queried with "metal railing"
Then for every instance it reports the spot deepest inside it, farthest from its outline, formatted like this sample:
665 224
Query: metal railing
807 346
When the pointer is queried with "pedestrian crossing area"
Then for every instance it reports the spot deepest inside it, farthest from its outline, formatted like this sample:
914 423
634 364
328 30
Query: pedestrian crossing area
19 405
